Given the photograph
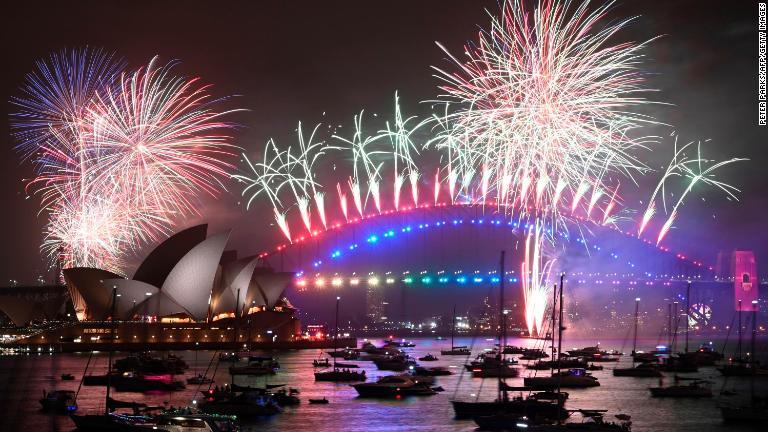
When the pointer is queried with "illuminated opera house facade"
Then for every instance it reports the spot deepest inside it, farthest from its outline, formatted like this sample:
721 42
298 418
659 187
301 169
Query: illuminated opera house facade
189 291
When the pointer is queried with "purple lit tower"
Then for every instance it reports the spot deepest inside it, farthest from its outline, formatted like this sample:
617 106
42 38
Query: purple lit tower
745 282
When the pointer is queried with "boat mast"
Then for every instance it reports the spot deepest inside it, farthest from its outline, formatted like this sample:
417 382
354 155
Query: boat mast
502 392
453 327
634 339
739 331
112 340
687 314
336 332
669 326
752 360
560 328
554 321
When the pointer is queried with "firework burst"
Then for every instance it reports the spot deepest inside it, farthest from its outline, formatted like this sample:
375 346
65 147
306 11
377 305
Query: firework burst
118 156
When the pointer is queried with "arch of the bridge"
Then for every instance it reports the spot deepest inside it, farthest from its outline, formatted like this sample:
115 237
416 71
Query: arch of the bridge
427 217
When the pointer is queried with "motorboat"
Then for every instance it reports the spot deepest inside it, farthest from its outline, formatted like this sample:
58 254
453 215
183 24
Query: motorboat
134 381
116 422
257 366
232 357
199 379
562 363
67 377
321 363
572 378
246 404
394 363
340 375
432 371
394 386
322 401
59 401
500 371
533 354
692 390
398 344
520 406
643 370
457 351
198 422
145 363
428 357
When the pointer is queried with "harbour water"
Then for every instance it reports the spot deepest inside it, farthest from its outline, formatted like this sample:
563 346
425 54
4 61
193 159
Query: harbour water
23 378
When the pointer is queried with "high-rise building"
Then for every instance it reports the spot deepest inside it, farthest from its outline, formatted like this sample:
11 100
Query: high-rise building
374 303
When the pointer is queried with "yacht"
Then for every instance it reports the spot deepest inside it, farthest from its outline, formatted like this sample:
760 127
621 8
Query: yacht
394 386
643 370
572 378
692 390
340 375
59 401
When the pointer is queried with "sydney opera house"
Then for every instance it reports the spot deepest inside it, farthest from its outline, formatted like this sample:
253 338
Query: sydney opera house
189 291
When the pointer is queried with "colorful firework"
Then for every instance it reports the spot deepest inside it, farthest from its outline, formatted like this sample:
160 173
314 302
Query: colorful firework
118 156
541 120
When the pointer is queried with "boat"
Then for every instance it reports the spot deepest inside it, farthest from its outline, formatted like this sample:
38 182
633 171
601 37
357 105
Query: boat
643 370
59 401
111 422
67 377
455 350
593 422
257 366
321 363
108 420
246 404
432 371
398 344
572 378
756 411
322 401
511 349
394 386
145 363
232 357
533 354
520 406
134 382
500 371
198 422
743 369
562 363
394 363
347 365
338 374
593 367
199 379
692 390
705 355
428 357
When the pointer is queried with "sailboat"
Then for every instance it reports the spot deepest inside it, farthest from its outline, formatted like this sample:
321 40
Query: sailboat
643 370
338 375
571 378
756 412
108 420
455 350
741 366
530 407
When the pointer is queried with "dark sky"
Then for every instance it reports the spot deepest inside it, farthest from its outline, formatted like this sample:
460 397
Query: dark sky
294 60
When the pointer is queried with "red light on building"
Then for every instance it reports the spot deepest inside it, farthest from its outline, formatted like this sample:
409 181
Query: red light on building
745 281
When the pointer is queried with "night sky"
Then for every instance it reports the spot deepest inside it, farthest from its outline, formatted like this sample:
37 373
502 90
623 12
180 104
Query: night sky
293 61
